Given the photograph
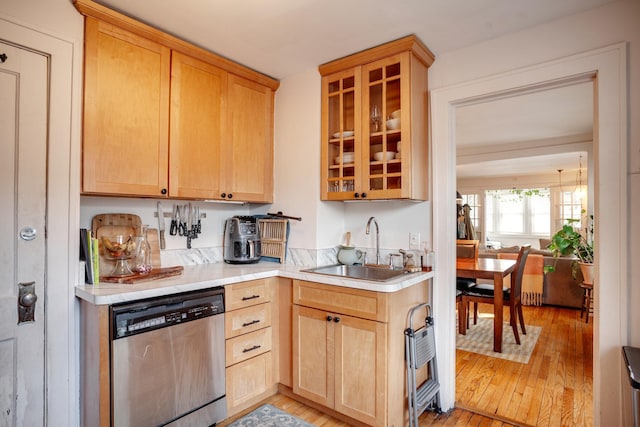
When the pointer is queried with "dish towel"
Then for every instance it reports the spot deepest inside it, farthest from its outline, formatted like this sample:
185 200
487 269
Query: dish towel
531 279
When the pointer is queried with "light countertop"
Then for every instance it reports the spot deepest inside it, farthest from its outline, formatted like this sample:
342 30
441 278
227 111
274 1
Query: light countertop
203 276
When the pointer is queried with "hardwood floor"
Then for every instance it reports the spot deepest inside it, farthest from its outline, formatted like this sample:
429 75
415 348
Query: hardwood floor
553 389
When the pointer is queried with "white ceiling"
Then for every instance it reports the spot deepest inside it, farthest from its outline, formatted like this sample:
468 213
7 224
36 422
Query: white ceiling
529 134
283 37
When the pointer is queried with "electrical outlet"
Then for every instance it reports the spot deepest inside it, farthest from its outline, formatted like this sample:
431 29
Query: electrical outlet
414 240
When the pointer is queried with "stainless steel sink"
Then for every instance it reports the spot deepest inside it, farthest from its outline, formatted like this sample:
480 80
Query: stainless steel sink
375 274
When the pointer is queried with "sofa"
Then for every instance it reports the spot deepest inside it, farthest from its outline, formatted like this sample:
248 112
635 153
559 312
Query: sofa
559 287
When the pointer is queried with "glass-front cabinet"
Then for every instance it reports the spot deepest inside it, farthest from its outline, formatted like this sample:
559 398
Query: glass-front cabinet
374 123
383 136
343 129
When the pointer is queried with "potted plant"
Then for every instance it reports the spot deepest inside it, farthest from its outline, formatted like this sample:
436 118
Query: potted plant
567 241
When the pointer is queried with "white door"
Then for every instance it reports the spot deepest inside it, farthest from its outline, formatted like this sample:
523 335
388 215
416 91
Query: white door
23 150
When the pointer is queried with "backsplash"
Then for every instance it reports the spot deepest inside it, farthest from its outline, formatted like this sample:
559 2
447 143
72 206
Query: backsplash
299 257
396 220
295 256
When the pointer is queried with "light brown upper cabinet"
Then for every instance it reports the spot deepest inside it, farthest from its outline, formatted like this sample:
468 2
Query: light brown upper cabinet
374 123
221 134
125 146
247 152
198 97
164 118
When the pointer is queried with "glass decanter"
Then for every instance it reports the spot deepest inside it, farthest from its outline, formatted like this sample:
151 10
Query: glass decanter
143 258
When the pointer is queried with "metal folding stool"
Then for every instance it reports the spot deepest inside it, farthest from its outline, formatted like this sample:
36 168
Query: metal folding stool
420 351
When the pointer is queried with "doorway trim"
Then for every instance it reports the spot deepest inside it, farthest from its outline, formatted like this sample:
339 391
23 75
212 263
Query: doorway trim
609 65
60 347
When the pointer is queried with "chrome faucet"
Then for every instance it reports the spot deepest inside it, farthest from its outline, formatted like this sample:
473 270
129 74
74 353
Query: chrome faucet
404 256
377 237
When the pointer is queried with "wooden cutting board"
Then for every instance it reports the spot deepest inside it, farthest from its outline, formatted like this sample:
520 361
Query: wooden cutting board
112 230
115 219
156 273
106 265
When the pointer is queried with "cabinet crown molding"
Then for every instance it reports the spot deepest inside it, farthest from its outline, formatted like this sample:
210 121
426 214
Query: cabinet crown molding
409 43
95 10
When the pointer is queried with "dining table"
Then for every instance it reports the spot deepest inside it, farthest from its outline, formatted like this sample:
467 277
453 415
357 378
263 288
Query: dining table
489 268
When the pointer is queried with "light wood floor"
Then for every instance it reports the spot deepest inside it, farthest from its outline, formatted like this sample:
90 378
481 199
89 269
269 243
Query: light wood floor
553 389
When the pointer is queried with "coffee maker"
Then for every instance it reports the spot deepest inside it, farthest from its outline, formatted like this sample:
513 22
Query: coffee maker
241 240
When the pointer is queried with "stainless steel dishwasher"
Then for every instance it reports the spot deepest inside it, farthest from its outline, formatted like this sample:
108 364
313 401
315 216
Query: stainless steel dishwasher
168 361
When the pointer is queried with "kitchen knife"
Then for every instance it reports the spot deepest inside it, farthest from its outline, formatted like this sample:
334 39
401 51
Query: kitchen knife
189 232
173 229
199 226
161 226
194 222
182 223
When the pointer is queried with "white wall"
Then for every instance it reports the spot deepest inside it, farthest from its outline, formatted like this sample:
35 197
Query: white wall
297 163
508 56
396 219
54 17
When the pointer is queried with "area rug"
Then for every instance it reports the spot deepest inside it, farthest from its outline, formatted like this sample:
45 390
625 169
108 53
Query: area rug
479 339
269 416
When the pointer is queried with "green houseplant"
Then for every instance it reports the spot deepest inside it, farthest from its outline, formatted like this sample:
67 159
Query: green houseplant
568 241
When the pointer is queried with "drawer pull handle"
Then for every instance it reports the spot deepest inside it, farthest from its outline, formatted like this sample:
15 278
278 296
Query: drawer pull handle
251 297
253 322
255 347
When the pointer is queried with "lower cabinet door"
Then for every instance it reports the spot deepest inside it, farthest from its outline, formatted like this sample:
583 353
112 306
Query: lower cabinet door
340 362
247 382
312 357
360 348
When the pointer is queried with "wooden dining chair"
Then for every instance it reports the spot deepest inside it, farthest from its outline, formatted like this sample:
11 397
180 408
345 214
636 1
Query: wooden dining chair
483 293
462 313
467 249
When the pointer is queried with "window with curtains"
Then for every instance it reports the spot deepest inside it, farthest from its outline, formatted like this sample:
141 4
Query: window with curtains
518 212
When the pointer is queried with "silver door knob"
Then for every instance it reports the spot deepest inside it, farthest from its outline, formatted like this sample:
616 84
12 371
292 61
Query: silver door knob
28 299
26 302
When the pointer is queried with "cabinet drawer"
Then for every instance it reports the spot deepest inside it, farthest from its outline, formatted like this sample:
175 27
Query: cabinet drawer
354 302
248 345
246 320
246 294
248 380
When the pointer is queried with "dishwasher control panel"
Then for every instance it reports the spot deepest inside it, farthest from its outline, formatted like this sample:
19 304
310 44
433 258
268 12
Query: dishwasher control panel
147 315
